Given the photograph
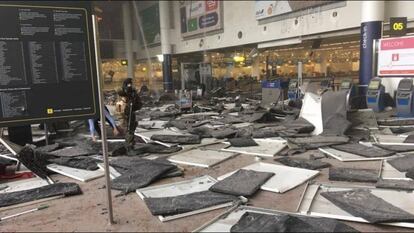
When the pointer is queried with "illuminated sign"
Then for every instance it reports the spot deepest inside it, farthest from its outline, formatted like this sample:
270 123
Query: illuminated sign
398 26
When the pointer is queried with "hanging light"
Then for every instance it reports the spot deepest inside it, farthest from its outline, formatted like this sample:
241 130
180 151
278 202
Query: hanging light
160 57
239 58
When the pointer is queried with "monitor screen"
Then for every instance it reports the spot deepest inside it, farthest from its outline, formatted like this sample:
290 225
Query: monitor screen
345 84
374 85
405 85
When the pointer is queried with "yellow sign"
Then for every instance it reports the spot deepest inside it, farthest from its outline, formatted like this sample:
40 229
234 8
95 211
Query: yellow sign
50 111
398 26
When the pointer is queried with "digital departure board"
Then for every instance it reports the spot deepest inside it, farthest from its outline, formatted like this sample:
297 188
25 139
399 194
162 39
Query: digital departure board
47 62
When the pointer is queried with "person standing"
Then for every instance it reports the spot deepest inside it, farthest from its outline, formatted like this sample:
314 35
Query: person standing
132 103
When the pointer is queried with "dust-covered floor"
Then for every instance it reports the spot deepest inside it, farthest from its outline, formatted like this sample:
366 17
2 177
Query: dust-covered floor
88 212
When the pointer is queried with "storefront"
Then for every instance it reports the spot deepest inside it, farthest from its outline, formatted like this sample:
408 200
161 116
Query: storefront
335 58
146 72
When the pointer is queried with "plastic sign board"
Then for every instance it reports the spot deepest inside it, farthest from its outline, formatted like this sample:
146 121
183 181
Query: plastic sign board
396 57
398 26
266 9
47 62
199 17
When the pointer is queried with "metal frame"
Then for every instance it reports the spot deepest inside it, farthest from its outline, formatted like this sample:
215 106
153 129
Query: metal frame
186 158
310 194
250 150
141 194
331 152
77 174
283 180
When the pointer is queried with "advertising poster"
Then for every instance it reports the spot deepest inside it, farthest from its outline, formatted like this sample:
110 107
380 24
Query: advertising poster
266 9
198 17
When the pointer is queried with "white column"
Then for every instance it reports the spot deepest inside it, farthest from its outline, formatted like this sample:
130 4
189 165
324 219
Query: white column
165 44
165 26
372 11
126 19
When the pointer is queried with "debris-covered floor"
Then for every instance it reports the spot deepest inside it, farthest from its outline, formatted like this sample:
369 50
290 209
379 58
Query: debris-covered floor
87 212
315 161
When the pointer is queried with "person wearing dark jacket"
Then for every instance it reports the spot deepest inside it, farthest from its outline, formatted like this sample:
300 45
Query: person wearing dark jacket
133 103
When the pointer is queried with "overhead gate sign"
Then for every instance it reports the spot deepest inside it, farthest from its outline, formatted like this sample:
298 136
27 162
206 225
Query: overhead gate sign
396 57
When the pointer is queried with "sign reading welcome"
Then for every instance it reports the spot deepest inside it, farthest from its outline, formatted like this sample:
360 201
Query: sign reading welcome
396 57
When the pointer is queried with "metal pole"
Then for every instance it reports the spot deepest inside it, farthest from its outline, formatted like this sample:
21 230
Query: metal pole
46 134
102 116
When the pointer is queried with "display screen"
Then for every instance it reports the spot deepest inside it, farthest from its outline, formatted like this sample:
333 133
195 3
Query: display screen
46 62
345 84
405 85
374 85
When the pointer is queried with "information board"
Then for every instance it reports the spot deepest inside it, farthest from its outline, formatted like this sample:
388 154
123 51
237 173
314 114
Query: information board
266 9
396 57
47 62
199 17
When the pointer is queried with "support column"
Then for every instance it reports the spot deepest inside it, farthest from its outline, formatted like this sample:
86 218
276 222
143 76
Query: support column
372 16
129 51
166 45
267 68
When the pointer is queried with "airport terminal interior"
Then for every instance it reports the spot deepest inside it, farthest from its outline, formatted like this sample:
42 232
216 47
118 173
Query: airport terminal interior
206 116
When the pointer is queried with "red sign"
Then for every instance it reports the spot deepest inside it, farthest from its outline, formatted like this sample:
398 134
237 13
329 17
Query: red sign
396 57
211 5
397 43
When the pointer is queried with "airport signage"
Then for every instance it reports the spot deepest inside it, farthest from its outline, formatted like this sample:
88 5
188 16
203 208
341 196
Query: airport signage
398 26
47 62
266 9
198 17
396 56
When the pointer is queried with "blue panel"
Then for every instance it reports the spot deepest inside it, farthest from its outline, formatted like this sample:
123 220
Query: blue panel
402 101
372 100
369 32
271 84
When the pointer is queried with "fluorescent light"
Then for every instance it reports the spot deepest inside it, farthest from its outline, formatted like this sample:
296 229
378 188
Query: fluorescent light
160 57
238 58
279 43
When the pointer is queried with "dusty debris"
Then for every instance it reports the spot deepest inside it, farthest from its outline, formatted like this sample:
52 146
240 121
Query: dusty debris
362 203
353 175
395 184
242 142
242 183
303 163
64 189
185 203
181 139
402 164
365 151
257 222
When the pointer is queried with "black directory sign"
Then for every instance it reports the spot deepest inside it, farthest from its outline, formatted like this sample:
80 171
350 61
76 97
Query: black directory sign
47 62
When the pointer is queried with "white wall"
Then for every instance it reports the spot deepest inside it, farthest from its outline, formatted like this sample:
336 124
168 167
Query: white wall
399 9
240 16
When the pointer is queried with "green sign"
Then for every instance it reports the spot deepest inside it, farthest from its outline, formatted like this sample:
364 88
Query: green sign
192 25
150 20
